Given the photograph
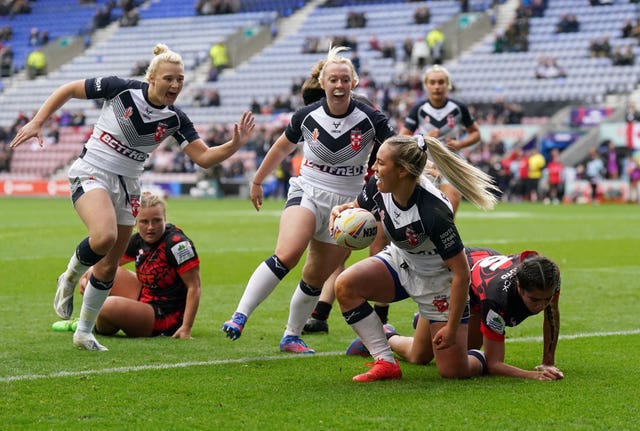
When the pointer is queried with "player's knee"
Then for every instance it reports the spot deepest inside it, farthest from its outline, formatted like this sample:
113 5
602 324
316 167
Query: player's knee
102 242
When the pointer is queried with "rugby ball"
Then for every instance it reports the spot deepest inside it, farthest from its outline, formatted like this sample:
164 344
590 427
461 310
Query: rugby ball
354 229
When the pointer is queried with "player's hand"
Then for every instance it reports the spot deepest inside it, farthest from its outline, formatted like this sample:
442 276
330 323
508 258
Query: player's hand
452 144
335 212
256 194
548 372
26 132
243 130
434 133
444 338
182 332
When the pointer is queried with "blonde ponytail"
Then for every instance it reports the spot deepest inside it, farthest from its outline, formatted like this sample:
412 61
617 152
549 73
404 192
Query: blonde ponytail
475 185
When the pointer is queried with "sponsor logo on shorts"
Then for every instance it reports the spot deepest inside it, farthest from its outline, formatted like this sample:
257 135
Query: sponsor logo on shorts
135 206
441 304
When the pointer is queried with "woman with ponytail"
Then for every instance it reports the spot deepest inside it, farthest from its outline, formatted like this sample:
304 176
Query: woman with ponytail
425 259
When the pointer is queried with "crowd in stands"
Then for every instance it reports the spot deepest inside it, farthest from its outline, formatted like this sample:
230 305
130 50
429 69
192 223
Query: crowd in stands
11 8
217 7
522 173
548 68
568 24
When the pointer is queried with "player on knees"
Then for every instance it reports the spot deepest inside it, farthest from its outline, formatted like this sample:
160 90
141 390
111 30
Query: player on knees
425 259
105 190
504 291
343 134
163 294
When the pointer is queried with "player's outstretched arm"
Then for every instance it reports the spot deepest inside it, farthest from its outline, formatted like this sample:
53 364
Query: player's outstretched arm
33 129
494 352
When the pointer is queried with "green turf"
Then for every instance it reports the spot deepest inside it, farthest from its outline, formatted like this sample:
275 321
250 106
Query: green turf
211 383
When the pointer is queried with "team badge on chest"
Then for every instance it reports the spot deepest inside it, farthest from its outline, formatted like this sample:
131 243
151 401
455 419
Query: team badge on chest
356 139
161 128
412 237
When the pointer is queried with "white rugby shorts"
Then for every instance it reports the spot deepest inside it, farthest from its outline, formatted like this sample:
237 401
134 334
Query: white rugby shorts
319 202
432 291
124 191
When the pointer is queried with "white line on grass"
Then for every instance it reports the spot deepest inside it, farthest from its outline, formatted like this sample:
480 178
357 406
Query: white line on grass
256 359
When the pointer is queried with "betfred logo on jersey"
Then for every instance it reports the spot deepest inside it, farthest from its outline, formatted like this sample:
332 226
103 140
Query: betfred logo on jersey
356 139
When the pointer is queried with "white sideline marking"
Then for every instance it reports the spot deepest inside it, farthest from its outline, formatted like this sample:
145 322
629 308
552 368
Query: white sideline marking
29 377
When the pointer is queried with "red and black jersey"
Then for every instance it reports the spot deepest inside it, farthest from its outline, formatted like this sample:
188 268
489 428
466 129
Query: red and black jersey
158 268
493 291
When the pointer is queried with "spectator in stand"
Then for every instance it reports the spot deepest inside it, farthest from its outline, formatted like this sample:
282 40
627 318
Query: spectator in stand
19 7
594 171
407 48
632 169
206 97
599 48
420 53
6 60
555 178
6 33
499 42
5 156
356 20
522 175
374 43
537 8
255 106
536 165
219 56
129 18
140 68
627 28
623 56
548 68
613 161
435 42
422 15
568 24
36 64
102 17
34 37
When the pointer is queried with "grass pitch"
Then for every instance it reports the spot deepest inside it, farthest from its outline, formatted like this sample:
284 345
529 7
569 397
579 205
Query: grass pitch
212 383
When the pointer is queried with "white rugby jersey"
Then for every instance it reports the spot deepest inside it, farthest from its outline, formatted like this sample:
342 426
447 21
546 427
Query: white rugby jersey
130 126
336 150
424 231
452 119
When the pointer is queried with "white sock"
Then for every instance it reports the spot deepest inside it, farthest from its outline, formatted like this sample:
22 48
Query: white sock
262 282
74 271
372 335
300 309
92 302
